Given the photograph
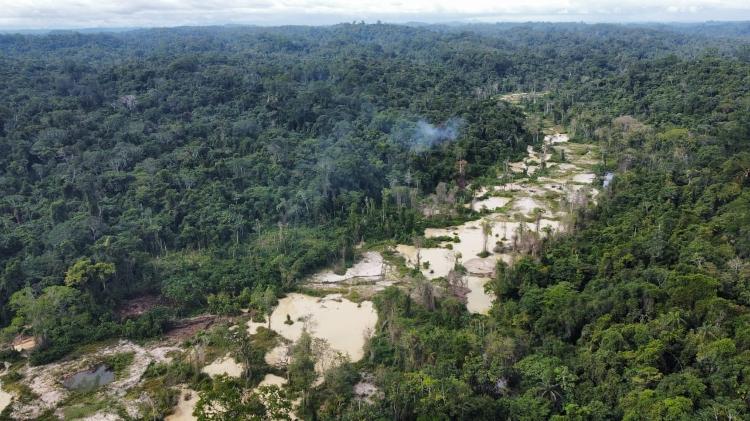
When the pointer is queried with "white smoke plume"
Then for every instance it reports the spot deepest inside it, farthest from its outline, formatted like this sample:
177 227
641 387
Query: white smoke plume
427 135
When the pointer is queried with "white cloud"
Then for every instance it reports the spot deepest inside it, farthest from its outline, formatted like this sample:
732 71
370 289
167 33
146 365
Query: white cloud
16 14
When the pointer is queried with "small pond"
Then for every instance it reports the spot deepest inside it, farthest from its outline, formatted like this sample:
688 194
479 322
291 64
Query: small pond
90 379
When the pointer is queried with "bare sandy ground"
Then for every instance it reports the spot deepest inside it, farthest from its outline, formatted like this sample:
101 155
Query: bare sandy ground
224 365
5 398
370 267
490 203
477 301
565 180
46 380
185 406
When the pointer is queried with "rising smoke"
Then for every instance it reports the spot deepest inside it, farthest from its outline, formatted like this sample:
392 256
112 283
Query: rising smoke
426 135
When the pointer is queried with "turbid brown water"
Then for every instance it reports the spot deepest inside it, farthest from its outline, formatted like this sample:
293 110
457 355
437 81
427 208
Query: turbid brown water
342 323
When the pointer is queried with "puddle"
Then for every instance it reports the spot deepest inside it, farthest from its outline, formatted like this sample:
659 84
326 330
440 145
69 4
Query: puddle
608 179
471 236
185 406
342 323
225 365
90 379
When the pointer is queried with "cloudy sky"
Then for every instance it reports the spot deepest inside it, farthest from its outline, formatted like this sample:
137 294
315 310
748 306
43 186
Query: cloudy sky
46 14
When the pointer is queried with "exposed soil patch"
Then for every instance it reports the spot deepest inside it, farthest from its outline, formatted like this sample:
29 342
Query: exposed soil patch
186 328
185 406
224 365
24 343
371 267
137 306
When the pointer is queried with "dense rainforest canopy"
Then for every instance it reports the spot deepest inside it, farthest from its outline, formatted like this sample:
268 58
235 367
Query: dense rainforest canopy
206 166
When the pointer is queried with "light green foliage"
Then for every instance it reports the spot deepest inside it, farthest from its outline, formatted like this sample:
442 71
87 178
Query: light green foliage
58 315
85 274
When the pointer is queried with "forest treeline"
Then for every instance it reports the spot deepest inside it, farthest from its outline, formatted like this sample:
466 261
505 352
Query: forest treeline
209 165
194 169
642 312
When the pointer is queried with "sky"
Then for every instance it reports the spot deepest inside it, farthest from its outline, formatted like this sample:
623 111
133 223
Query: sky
69 14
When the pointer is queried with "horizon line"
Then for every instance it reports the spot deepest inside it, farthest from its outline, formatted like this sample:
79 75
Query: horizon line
22 30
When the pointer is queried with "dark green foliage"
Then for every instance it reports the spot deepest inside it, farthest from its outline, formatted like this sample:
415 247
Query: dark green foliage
217 167
150 163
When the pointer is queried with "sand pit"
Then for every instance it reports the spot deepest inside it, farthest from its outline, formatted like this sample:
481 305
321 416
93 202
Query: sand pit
471 238
526 205
342 323
564 166
481 267
441 261
5 398
556 138
225 365
565 179
45 380
279 356
517 167
585 178
491 203
370 267
185 406
365 390
272 380
477 301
